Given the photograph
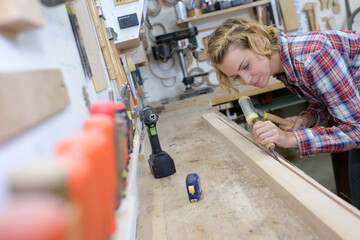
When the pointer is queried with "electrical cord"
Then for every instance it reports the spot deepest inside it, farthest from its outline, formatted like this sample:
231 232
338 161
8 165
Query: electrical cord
151 36
168 86
163 79
170 3
352 17
172 65
156 11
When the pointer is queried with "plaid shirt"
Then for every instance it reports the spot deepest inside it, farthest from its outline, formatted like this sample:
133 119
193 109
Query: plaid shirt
322 68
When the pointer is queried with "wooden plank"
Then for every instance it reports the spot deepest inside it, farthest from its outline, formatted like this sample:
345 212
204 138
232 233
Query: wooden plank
103 39
329 216
289 15
310 9
224 11
27 98
235 204
91 45
120 2
110 53
120 74
20 15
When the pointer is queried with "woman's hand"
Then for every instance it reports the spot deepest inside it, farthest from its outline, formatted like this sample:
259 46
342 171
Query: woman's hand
267 132
304 121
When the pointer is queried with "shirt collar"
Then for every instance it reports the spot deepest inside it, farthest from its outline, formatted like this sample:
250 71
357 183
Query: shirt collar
286 60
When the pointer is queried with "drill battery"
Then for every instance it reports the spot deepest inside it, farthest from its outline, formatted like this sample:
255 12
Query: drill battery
161 164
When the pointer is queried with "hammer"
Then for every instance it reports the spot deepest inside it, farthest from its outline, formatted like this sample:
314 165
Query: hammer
253 117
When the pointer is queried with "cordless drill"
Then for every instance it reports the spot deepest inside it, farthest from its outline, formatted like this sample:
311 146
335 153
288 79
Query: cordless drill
161 164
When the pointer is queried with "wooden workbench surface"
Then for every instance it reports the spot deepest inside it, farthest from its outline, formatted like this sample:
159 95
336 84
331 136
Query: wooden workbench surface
235 204
217 97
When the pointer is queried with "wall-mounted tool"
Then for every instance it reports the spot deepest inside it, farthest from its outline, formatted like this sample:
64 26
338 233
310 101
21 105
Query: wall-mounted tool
161 164
125 97
253 118
193 187
79 41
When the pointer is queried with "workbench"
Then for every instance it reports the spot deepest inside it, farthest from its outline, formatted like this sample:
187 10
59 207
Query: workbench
218 96
235 204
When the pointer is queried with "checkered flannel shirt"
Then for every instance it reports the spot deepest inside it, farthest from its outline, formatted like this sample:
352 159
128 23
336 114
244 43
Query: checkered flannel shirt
322 68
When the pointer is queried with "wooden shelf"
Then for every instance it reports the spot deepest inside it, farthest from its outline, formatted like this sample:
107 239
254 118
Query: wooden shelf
222 12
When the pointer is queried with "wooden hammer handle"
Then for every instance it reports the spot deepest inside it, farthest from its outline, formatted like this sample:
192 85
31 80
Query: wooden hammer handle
279 120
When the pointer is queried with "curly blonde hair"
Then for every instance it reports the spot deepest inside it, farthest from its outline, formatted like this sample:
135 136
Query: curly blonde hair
240 33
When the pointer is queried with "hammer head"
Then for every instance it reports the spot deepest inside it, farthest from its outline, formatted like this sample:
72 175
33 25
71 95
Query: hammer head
248 109
112 35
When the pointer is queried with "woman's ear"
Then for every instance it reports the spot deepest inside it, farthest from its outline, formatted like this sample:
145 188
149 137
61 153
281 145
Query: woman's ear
259 43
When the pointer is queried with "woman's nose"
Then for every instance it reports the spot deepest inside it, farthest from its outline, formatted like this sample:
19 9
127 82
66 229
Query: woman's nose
244 79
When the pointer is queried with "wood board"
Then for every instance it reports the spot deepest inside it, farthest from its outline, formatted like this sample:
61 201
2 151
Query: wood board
234 204
20 15
121 2
289 15
329 216
27 98
91 45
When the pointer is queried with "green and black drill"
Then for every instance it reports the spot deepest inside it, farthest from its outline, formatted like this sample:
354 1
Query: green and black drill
161 164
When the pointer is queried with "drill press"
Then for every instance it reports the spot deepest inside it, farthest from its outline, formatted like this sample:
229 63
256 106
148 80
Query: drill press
178 42
160 162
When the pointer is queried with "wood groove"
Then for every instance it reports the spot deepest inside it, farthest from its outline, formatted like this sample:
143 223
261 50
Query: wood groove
286 164
329 216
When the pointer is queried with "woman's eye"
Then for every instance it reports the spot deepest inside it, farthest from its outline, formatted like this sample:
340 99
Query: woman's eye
246 66
235 78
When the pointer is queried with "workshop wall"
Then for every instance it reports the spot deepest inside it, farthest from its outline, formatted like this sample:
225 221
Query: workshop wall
49 47
164 80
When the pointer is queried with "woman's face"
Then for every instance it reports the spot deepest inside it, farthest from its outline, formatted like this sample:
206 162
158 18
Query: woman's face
246 66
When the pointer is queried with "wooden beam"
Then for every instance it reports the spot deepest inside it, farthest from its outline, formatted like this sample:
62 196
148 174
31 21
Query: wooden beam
329 216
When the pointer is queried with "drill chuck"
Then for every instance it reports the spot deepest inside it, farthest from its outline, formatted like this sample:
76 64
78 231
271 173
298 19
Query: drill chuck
149 117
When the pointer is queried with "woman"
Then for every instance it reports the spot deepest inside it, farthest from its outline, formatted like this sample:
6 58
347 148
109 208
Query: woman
321 67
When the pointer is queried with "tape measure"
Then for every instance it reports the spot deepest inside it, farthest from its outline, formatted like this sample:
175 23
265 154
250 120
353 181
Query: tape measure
193 187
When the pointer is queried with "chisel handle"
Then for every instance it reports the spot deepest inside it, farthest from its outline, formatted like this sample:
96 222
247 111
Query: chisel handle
269 145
